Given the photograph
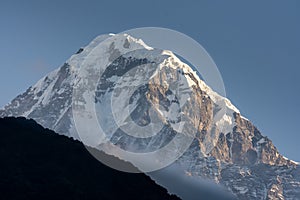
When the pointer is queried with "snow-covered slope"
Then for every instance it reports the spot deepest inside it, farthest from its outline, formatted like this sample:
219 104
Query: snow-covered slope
225 146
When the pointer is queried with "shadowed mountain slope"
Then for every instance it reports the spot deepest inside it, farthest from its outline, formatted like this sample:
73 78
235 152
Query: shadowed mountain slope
36 163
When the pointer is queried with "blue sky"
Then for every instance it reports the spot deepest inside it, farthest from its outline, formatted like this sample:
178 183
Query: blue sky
255 45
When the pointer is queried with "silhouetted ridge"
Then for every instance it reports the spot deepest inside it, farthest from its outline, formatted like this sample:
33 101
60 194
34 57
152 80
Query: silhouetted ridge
36 163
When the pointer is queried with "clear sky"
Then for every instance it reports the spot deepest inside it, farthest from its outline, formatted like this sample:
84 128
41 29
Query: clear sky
255 45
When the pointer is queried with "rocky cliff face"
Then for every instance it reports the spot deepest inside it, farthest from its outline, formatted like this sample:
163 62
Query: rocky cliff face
247 163
226 147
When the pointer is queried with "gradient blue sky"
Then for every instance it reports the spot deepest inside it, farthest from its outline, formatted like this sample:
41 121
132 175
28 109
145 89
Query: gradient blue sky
255 45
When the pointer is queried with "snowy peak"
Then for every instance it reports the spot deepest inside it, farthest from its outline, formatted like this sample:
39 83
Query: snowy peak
122 42
224 145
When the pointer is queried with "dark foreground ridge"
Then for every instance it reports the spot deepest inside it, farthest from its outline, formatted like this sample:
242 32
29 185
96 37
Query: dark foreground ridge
36 163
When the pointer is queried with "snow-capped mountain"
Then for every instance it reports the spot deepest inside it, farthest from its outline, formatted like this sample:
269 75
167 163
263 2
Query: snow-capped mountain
225 147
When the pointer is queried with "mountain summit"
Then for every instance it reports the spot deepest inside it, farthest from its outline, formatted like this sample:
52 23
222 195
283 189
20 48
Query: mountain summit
225 147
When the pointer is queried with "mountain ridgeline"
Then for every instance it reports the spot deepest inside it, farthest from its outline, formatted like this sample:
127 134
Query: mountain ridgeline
37 163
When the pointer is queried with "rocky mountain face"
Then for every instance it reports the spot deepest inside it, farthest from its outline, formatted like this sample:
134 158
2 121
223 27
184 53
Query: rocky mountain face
225 147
